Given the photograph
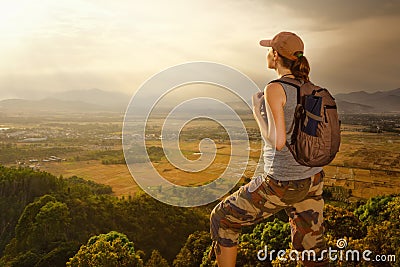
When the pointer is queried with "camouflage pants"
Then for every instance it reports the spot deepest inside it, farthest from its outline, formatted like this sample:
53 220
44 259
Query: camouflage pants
301 199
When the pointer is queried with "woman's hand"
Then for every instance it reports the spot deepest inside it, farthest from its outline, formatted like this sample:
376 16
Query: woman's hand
257 100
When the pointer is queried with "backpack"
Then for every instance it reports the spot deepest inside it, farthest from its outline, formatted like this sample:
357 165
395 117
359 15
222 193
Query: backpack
316 126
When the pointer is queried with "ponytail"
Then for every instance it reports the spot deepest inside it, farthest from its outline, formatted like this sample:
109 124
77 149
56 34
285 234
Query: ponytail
299 67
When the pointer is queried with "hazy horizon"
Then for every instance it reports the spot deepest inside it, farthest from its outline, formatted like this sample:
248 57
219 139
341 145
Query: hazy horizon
57 46
49 95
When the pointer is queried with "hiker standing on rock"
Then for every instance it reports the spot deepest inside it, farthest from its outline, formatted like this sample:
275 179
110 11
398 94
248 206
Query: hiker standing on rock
285 184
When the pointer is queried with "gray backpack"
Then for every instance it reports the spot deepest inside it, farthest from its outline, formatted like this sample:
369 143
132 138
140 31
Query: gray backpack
316 126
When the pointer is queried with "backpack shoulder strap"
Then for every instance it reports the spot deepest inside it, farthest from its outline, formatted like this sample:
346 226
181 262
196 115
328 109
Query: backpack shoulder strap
289 83
297 86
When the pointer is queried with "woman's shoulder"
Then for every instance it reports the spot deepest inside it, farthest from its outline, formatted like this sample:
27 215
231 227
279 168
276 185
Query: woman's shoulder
275 92
272 88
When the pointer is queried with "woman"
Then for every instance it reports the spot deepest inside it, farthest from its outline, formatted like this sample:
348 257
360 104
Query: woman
285 184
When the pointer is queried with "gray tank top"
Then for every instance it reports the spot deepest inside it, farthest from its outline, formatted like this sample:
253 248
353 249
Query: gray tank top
283 165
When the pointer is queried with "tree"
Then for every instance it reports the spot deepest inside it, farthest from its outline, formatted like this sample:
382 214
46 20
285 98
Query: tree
41 234
27 220
50 225
374 210
111 249
192 252
274 235
382 236
340 222
156 260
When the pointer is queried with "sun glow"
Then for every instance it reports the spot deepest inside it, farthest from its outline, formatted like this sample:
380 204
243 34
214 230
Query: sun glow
18 18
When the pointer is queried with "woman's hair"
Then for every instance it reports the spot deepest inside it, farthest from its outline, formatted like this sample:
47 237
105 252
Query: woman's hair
299 67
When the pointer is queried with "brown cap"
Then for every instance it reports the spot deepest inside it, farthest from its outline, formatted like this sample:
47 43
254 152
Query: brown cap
286 44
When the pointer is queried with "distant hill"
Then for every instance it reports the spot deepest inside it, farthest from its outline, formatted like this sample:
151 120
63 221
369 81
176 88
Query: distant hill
77 101
349 107
363 102
95 97
48 106
96 100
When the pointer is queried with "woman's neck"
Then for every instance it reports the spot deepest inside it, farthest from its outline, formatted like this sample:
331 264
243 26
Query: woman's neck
283 72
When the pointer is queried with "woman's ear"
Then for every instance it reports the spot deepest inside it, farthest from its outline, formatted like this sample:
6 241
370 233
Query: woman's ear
275 55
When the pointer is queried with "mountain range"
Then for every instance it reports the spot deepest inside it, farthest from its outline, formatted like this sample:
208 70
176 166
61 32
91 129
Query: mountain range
96 100
363 102
77 101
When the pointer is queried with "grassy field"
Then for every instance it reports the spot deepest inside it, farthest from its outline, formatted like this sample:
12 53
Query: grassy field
117 176
367 163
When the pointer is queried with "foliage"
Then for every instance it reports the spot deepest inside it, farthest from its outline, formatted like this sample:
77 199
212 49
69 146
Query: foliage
49 229
192 252
340 223
156 260
374 210
112 249
377 230
106 156
382 235
206 260
155 153
274 235
336 193
44 220
18 187
41 234
11 153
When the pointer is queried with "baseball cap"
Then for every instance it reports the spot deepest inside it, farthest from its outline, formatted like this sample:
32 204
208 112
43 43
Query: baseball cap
286 44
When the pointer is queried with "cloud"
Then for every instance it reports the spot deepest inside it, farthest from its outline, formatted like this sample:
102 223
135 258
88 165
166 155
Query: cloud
116 45
326 14
361 56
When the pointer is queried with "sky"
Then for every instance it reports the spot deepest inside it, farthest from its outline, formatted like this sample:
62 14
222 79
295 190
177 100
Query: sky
52 46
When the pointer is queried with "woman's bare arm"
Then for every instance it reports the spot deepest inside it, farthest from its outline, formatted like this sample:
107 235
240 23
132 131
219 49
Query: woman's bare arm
273 130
